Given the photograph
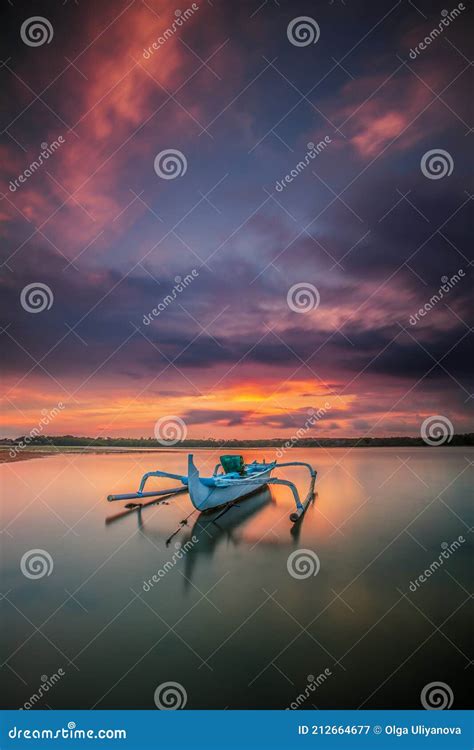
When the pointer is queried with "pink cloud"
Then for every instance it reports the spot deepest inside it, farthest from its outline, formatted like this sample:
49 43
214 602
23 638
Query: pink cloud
373 120
121 93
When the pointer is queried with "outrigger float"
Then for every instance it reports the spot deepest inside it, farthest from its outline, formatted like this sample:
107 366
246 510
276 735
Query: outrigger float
232 480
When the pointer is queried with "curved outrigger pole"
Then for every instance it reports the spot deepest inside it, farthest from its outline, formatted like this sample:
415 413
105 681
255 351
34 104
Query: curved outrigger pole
145 477
300 506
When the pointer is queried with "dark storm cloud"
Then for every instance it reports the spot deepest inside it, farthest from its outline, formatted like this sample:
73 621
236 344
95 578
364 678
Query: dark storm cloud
230 418
105 309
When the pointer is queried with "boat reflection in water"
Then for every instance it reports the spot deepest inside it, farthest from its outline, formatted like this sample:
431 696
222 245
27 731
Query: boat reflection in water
211 529
232 525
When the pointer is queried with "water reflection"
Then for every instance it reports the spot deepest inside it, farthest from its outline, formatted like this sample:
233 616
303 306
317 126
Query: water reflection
201 533
234 524
375 525
211 529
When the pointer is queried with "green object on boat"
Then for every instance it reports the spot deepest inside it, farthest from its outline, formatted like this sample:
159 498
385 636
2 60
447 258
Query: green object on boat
233 464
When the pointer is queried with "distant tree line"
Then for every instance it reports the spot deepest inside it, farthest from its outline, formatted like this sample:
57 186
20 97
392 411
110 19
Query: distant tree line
113 442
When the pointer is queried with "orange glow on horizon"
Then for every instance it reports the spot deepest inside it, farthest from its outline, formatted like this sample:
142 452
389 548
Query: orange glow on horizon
251 408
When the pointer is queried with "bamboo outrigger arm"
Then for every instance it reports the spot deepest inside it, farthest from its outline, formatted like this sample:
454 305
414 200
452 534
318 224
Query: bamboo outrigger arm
179 477
300 506
312 471
140 494
293 488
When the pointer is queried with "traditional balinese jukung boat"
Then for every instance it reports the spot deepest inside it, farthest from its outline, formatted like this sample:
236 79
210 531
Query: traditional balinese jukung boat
231 480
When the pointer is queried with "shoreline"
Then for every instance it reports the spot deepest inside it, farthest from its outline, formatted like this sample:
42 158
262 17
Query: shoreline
44 451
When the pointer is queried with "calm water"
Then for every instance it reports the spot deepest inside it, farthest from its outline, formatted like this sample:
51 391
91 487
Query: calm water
227 621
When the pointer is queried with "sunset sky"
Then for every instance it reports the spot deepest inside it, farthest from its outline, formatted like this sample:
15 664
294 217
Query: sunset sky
361 222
